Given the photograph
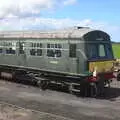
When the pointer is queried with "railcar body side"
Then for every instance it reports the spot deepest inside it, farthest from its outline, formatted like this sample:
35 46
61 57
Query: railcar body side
82 54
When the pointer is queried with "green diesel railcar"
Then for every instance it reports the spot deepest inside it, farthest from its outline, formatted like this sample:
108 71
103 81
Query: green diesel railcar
63 56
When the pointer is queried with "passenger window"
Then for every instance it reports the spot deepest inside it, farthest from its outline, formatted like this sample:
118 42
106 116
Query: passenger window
10 51
1 47
101 51
72 50
39 52
54 50
36 49
32 52
1 50
48 45
50 53
10 47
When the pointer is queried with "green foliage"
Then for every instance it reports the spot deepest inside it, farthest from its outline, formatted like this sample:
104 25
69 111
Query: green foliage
116 50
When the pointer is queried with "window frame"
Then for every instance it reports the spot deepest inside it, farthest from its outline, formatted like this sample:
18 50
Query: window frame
97 51
36 46
8 47
56 50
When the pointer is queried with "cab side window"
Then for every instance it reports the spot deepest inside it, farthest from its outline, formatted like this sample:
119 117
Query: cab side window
72 50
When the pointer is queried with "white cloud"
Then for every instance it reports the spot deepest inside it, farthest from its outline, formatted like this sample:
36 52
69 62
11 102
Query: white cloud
24 7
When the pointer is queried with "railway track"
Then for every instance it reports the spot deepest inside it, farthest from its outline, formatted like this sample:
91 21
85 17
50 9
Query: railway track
27 80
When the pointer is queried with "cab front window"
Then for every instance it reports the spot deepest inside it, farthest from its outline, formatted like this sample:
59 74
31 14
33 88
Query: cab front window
99 51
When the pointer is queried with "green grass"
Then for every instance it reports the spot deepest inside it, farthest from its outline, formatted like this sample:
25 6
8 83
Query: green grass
116 50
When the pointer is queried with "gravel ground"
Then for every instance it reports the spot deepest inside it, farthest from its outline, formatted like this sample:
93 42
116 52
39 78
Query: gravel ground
54 105
12 112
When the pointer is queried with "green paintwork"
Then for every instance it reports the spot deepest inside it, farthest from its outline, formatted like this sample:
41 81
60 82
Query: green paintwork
64 64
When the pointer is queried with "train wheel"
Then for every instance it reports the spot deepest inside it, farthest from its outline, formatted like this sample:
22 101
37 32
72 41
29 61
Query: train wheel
70 89
93 90
83 89
107 83
43 84
118 76
101 87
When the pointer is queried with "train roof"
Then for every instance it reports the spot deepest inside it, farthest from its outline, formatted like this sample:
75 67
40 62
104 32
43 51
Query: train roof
75 32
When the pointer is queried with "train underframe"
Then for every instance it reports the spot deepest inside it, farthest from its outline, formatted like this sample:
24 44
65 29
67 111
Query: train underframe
80 85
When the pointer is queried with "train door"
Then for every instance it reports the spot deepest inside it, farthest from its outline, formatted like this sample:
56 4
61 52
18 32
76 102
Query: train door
21 54
73 59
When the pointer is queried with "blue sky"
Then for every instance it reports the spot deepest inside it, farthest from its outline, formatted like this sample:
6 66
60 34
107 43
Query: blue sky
103 10
57 14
